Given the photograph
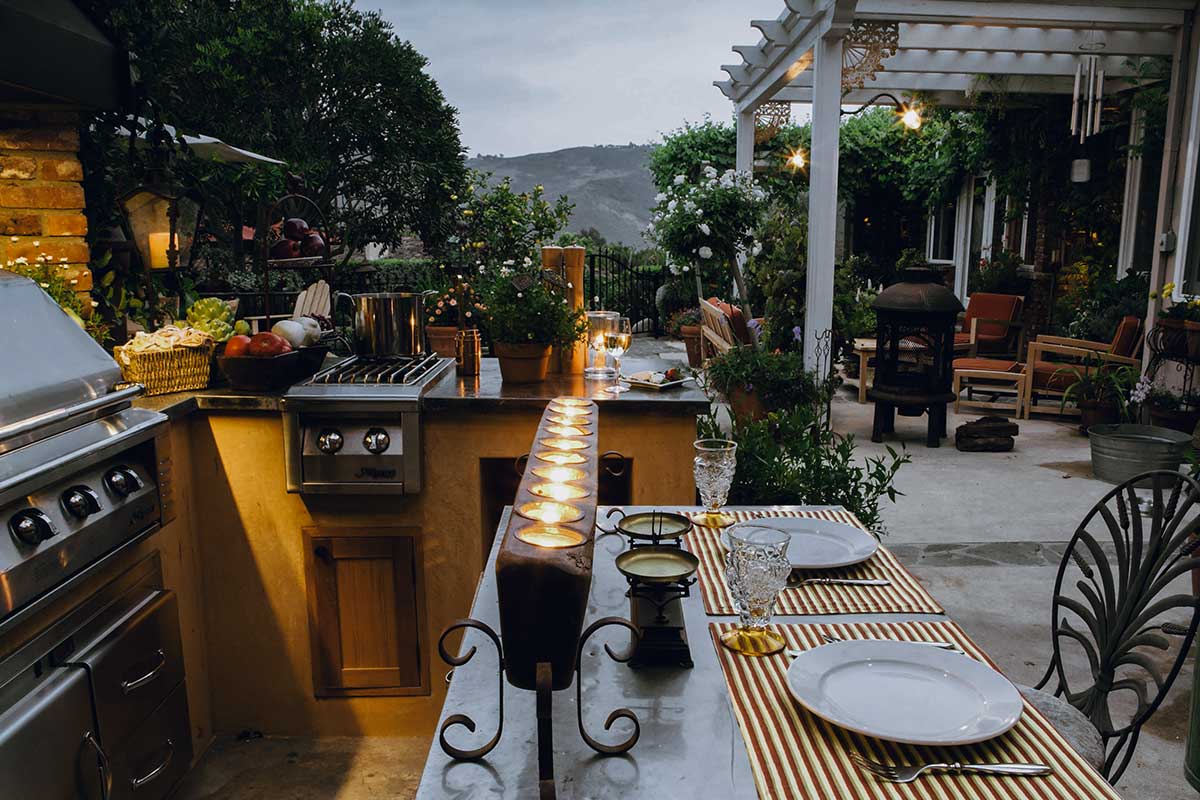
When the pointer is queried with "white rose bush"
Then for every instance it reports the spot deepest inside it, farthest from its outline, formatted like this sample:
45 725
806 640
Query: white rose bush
707 224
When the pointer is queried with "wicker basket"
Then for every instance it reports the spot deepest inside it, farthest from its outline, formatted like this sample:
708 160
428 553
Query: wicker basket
166 371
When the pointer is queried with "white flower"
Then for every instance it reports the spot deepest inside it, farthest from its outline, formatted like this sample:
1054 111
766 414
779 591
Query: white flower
505 272
526 261
705 252
705 229
658 198
671 205
14 239
508 262
570 285
519 294
679 180
22 260
756 249
709 172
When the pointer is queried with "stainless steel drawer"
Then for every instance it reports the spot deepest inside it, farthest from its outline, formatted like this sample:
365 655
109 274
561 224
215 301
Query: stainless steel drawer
44 748
157 754
134 666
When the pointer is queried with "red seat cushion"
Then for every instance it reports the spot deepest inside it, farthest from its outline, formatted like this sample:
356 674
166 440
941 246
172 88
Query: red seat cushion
737 320
985 305
1125 339
991 364
1054 375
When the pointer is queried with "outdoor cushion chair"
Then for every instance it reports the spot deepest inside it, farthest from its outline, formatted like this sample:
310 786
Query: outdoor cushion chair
723 326
991 324
1122 625
1052 362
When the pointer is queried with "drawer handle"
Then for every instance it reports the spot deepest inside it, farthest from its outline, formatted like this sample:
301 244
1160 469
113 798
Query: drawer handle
137 783
137 683
102 758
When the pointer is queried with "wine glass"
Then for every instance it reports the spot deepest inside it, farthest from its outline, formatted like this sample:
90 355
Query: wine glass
713 468
757 569
601 324
617 343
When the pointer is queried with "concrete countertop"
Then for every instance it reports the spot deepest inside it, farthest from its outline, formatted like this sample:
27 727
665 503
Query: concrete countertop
488 390
690 745
483 391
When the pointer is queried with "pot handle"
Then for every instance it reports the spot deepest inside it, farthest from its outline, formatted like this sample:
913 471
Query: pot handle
337 298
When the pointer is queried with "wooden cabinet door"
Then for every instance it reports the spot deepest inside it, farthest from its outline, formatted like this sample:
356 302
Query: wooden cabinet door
366 612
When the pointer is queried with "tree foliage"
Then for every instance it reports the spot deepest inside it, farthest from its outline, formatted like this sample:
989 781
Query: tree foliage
325 86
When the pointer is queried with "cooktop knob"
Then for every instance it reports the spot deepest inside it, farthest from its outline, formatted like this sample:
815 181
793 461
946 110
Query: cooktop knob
80 501
376 440
329 441
122 481
31 527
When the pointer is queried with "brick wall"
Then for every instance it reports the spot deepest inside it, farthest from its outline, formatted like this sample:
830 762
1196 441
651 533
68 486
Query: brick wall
41 198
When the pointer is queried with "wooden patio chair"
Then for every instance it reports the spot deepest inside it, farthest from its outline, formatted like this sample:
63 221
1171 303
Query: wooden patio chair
1053 360
316 299
991 325
716 330
1121 616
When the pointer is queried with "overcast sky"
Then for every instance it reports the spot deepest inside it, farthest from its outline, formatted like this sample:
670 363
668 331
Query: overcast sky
533 75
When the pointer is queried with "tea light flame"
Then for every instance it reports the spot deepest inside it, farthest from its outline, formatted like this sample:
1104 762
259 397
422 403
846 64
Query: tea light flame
549 512
566 430
549 536
559 474
561 458
564 444
558 491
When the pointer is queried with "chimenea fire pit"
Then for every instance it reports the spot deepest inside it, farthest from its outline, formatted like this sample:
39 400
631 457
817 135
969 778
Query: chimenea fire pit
914 381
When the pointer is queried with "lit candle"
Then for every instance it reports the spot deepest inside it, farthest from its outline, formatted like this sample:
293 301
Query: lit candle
158 244
560 458
571 402
564 444
562 419
558 491
550 512
566 430
559 474
549 536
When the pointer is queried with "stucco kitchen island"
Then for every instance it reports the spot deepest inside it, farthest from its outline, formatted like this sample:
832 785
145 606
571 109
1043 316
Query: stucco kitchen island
296 589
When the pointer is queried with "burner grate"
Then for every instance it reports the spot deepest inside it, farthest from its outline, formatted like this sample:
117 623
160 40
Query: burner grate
387 370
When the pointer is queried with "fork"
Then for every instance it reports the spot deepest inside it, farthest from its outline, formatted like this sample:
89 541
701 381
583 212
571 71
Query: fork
906 773
794 584
951 646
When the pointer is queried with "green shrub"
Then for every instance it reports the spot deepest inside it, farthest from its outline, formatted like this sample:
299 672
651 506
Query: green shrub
526 312
795 458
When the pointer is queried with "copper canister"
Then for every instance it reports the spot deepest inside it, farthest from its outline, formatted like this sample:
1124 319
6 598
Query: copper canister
466 350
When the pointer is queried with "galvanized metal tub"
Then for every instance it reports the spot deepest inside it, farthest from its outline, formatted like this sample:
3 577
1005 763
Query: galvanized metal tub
1121 451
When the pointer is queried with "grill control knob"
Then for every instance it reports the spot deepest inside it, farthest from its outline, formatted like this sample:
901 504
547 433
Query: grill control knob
329 441
376 440
80 501
122 481
31 527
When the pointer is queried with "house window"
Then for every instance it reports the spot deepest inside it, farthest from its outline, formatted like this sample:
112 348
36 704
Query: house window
940 249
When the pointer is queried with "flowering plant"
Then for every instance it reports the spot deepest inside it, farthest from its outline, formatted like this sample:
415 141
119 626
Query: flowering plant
521 309
1188 310
459 306
54 280
707 222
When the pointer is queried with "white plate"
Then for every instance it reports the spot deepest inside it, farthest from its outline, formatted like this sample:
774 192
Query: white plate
904 692
819 543
655 386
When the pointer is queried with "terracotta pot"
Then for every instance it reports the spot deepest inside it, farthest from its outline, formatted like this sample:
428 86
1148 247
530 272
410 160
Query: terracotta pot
440 339
522 363
746 405
691 340
1175 419
1192 330
1092 412
1172 337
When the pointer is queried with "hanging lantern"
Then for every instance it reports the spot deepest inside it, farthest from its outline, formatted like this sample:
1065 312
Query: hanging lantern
163 225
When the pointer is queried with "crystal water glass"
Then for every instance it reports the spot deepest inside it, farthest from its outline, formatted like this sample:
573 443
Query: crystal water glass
601 324
713 467
756 569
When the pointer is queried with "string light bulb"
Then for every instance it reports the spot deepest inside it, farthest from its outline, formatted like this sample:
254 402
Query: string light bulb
911 117
797 160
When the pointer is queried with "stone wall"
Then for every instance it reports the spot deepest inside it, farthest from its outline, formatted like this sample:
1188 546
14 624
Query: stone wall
41 196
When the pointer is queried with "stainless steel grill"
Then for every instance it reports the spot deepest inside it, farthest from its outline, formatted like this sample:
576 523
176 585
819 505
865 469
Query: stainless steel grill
397 370
356 427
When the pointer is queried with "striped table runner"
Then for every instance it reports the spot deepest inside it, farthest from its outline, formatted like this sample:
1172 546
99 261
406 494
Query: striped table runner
796 755
905 595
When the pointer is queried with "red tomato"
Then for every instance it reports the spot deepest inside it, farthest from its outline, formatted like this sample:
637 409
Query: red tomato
236 346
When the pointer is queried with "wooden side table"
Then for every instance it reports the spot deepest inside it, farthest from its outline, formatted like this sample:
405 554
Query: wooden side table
999 380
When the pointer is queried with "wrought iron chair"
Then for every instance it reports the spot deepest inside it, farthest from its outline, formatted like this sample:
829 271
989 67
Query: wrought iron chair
1119 612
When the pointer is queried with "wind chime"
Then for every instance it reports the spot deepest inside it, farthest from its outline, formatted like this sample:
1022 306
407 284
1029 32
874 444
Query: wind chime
1088 97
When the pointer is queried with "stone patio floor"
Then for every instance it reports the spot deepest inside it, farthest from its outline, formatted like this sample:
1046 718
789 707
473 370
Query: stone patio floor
983 531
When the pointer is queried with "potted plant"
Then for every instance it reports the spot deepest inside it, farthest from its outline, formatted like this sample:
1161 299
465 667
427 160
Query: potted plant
1179 326
756 382
458 308
525 320
1102 393
685 324
1171 410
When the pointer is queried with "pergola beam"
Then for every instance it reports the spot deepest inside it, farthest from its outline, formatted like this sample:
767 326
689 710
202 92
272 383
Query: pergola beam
1001 39
1150 15
889 81
952 61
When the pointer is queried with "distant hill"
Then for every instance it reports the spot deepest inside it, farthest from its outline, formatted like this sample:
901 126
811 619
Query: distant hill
610 185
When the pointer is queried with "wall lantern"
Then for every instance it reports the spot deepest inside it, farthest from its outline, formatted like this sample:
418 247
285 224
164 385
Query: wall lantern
909 113
163 225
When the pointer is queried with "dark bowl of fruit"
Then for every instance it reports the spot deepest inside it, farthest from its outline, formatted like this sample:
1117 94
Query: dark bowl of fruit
266 362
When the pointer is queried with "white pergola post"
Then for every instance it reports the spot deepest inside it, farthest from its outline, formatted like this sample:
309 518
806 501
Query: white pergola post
744 162
822 191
